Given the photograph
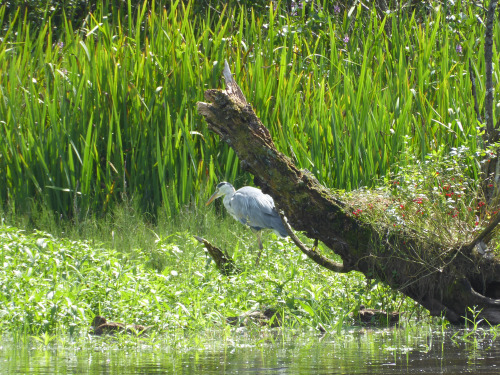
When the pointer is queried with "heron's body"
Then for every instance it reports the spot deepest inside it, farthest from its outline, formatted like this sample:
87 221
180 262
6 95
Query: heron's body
250 206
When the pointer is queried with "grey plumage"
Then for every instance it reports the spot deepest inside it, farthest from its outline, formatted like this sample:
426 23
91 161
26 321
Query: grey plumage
250 206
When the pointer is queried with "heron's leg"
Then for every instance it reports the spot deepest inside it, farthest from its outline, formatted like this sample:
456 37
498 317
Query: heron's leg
259 240
257 234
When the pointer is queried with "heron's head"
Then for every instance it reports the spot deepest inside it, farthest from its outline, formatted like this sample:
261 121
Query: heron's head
222 189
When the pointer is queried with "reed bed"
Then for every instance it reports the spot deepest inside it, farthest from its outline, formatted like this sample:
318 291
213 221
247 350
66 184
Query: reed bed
98 113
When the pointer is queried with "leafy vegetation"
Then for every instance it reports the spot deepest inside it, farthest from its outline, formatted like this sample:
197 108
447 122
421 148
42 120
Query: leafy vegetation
439 196
103 113
56 285
99 120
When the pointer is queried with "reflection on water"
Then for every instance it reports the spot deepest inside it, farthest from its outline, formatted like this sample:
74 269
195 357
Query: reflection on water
393 351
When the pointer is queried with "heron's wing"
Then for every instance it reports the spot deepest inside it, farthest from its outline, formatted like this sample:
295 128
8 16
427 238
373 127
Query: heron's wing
252 207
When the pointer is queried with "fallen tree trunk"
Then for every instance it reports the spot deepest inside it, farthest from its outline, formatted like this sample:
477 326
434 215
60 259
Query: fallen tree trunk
447 281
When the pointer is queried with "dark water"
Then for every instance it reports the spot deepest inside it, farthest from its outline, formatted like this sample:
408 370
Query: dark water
360 352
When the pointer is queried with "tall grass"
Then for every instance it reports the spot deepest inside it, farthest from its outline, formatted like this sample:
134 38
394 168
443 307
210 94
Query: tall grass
106 111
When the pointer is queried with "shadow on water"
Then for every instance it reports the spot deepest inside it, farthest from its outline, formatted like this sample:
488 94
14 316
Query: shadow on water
382 351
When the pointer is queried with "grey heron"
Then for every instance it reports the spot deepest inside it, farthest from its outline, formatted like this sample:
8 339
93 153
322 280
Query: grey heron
250 206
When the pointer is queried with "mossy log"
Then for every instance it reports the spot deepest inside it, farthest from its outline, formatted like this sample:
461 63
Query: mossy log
447 281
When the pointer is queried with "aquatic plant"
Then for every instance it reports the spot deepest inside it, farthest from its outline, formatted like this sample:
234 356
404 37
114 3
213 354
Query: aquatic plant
162 277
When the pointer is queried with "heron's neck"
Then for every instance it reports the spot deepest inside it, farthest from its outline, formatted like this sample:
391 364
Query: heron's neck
228 196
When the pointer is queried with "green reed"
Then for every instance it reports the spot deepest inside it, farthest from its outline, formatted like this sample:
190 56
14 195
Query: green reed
105 111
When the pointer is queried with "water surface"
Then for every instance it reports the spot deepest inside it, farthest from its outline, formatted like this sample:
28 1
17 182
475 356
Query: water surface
382 351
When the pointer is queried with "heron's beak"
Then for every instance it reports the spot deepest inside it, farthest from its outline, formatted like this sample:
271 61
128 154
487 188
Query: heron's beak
214 195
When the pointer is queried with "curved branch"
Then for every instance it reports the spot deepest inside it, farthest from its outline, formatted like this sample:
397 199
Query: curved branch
485 235
311 254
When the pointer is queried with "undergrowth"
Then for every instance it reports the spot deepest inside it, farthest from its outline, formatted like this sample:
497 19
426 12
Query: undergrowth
160 275
436 200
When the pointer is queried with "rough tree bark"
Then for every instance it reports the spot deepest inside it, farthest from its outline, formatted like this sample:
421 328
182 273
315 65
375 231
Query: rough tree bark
491 136
450 282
